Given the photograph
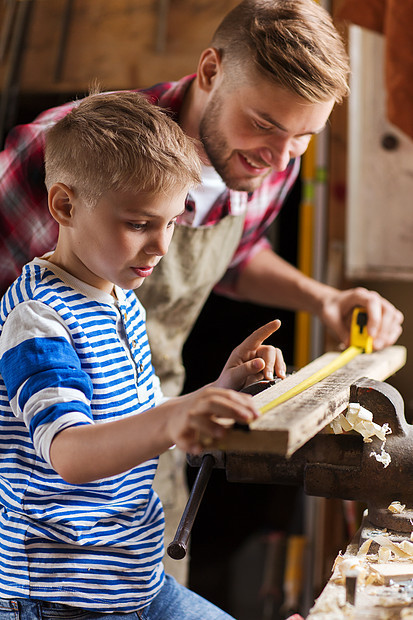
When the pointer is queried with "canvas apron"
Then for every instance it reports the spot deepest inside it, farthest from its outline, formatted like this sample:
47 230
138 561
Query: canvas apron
175 293
173 297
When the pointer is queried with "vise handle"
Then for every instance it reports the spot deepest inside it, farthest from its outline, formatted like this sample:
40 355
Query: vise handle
178 547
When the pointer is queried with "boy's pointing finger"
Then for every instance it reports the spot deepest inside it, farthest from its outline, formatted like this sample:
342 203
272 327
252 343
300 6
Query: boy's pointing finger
262 333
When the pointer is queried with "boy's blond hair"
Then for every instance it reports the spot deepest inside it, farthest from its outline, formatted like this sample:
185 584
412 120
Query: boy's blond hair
291 42
122 142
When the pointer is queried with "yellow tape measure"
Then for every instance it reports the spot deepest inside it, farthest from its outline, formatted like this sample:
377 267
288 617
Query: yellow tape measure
360 342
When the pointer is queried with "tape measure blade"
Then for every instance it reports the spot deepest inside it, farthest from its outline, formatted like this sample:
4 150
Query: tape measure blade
340 361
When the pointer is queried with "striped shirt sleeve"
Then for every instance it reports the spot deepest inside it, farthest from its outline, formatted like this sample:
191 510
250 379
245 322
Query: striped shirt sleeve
46 386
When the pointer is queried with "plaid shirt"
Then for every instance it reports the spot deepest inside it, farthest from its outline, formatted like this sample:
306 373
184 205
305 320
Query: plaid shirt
28 230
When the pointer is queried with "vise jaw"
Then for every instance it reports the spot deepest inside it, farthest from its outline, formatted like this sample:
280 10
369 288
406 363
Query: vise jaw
343 466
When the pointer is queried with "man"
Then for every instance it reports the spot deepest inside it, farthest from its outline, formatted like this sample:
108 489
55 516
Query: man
265 86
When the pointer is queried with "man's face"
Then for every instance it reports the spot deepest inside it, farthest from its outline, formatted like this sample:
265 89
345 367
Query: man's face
122 238
256 128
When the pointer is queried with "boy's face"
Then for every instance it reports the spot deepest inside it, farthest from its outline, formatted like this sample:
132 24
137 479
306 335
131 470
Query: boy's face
120 240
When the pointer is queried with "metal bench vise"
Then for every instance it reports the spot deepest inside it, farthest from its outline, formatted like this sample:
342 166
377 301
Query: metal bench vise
328 465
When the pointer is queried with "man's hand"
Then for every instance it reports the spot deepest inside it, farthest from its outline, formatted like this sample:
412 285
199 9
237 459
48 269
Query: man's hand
253 361
384 323
269 280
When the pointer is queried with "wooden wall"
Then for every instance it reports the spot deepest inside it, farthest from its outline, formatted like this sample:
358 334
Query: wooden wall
122 43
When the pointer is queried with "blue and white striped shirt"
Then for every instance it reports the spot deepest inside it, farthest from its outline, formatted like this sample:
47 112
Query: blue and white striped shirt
71 355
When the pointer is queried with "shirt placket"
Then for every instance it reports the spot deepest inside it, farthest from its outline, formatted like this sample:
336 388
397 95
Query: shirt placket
136 355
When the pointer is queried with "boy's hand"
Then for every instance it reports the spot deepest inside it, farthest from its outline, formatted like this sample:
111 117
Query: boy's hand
253 361
196 420
206 415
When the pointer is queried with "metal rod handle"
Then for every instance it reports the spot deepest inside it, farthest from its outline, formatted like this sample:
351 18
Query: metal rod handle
178 547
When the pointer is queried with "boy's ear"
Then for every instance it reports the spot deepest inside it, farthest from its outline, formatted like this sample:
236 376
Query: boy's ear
209 68
61 203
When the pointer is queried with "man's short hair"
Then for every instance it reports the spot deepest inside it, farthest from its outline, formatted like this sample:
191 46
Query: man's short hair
294 43
119 141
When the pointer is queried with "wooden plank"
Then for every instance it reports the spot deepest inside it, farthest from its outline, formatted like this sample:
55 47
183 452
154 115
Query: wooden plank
291 424
394 571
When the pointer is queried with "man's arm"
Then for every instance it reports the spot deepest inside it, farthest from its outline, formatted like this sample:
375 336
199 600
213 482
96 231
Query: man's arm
269 280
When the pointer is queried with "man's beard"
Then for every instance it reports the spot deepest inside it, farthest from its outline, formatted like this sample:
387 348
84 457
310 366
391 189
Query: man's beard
218 151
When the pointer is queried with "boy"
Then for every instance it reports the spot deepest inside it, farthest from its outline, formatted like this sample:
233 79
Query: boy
82 417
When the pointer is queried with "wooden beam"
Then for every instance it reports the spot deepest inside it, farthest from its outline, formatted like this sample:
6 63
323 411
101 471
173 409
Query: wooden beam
291 424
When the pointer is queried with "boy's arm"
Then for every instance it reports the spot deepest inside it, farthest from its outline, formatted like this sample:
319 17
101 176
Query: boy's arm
91 452
50 392
81 454
85 453
43 377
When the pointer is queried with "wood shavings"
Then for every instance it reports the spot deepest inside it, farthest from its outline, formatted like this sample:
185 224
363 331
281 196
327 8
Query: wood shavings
384 554
372 569
337 561
329 607
397 548
365 547
406 546
382 457
396 507
373 578
344 564
340 424
360 419
366 573
351 565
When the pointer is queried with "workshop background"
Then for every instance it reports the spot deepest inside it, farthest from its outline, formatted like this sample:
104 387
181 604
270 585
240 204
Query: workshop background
348 222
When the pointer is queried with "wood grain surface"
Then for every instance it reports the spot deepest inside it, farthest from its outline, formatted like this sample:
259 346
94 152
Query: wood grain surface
291 424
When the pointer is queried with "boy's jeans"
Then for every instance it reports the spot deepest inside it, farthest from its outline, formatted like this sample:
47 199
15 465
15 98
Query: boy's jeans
174 602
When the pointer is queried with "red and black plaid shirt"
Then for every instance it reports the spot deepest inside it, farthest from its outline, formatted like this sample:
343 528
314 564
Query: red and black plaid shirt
28 230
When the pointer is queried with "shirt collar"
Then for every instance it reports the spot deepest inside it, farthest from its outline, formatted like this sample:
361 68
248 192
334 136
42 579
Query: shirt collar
170 95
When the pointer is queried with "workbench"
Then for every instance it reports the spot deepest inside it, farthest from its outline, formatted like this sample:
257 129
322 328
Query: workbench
363 587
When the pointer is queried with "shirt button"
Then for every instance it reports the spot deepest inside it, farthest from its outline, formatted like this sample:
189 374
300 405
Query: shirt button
140 367
134 343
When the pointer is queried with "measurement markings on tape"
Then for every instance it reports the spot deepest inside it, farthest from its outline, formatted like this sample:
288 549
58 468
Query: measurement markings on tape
360 342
